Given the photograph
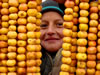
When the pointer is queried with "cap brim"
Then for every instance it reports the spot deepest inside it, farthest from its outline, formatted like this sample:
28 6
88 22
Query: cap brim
48 8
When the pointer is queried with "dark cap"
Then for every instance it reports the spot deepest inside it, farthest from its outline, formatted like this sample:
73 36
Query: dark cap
50 5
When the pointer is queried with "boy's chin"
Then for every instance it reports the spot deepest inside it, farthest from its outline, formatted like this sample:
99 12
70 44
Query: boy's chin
52 48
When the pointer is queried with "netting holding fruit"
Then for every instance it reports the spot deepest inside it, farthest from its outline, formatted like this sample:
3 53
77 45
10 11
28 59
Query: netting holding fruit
20 49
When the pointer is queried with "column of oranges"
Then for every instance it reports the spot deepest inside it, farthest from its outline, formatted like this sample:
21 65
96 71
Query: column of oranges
74 37
0 13
67 32
33 54
22 37
3 37
92 38
98 46
82 35
12 37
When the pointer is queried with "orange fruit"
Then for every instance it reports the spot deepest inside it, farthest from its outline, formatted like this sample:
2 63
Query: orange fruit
91 50
68 17
92 43
82 42
80 71
98 56
92 36
82 34
84 13
69 4
65 67
68 24
83 20
91 57
75 20
73 48
3 44
91 64
68 11
94 9
94 16
74 28
73 56
84 5
22 29
93 29
4 11
99 27
81 49
21 70
75 8
73 63
91 71
98 41
97 72
93 23
98 48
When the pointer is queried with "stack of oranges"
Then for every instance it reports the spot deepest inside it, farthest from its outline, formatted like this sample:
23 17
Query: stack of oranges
92 37
98 46
20 49
12 37
74 37
88 60
67 32
22 37
82 35
3 36
33 54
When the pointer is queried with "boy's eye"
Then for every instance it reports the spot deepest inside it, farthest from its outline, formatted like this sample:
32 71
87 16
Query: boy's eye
60 24
43 25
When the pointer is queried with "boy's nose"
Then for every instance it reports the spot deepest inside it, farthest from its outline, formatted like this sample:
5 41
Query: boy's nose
51 30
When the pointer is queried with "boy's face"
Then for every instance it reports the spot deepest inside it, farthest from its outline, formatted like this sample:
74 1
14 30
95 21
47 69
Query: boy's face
51 31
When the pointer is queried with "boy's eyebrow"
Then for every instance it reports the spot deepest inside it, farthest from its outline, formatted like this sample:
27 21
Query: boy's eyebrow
44 21
59 20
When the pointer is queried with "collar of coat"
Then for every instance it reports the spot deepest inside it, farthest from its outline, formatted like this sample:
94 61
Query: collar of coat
48 67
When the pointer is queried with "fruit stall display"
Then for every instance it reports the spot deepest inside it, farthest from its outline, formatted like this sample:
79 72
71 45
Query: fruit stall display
20 49
81 42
